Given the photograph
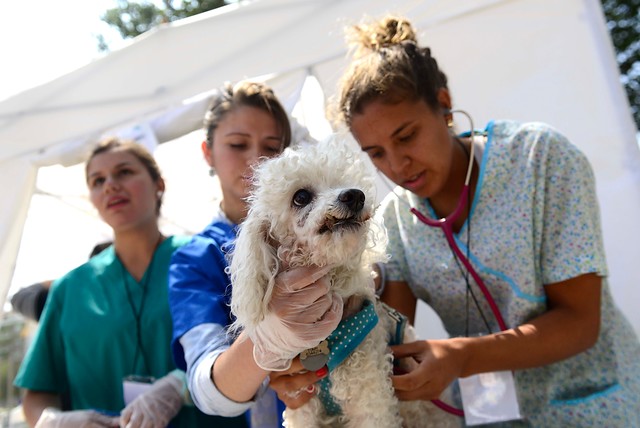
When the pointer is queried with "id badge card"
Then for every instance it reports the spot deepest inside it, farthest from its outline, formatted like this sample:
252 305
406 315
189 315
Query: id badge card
134 385
489 397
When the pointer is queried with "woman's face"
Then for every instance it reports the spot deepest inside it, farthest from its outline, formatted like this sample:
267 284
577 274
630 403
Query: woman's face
122 190
243 136
409 142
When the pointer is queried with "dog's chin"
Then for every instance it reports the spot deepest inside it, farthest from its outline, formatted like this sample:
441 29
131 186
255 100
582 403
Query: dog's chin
339 241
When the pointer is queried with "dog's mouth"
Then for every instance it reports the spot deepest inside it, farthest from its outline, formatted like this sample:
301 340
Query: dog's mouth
334 224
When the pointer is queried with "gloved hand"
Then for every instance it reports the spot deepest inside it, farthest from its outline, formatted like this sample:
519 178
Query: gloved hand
155 407
55 418
302 313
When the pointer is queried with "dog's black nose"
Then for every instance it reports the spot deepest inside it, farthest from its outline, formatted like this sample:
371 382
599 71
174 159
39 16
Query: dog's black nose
352 199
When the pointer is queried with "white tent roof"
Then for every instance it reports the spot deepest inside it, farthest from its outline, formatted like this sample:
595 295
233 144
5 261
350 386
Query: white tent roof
519 59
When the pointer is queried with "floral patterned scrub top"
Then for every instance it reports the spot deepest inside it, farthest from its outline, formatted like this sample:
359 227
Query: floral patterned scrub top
534 220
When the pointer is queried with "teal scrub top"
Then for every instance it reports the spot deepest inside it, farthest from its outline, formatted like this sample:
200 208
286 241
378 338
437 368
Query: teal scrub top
100 325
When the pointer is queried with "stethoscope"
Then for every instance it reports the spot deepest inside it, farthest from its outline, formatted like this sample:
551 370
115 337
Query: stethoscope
446 224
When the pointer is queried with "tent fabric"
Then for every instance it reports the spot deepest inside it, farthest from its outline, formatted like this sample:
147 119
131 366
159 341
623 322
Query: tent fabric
17 180
526 60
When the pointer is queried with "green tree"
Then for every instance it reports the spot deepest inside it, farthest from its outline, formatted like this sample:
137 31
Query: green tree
134 18
623 20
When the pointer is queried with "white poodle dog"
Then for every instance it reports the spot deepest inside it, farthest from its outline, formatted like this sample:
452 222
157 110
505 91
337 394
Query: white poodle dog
314 206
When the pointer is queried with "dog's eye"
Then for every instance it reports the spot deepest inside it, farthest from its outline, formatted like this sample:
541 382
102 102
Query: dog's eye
302 198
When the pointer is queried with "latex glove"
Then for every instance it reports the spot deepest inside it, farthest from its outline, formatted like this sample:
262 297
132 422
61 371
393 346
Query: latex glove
302 313
155 407
55 418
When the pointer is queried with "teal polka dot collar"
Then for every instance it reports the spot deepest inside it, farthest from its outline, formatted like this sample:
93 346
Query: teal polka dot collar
342 342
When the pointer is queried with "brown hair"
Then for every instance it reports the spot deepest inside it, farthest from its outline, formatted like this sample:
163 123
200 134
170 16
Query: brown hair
389 66
245 93
137 150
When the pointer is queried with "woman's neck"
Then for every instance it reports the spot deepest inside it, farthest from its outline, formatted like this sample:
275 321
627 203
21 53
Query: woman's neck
135 248
235 214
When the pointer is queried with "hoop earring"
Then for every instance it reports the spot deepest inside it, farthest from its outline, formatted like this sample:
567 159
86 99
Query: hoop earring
448 116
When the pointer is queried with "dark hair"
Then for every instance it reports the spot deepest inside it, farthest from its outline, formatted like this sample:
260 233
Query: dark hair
245 93
388 65
137 150
98 248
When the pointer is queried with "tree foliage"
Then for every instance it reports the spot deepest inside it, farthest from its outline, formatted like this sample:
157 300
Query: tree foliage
134 18
623 21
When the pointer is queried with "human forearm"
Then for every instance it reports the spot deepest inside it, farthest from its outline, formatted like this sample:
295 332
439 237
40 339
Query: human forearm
399 296
550 338
35 402
570 326
203 345
235 372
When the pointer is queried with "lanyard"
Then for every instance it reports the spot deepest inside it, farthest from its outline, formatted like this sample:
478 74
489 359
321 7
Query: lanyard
138 311
446 224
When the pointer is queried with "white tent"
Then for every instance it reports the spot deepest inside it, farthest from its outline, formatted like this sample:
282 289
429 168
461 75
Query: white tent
538 60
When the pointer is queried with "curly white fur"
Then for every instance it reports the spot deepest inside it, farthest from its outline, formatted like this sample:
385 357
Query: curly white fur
323 232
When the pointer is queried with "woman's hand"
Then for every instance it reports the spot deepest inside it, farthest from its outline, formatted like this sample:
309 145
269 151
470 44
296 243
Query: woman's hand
430 365
54 418
302 312
156 407
570 325
296 386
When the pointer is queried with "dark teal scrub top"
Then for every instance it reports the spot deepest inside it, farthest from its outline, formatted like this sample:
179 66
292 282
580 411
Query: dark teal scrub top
100 325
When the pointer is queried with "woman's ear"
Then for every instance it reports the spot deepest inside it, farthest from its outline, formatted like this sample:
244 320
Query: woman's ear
207 153
444 99
161 185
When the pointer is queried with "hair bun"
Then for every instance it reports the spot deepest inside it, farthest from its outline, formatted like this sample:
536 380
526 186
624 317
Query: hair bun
390 30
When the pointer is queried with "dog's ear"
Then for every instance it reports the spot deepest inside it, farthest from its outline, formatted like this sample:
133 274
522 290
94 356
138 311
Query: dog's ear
253 268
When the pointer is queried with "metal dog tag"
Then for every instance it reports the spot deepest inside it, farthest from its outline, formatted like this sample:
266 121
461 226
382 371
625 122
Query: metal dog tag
315 358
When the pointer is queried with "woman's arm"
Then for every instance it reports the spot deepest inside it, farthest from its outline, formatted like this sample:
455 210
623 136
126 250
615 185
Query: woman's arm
399 296
235 372
223 378
42 410
200 313
203 346
35 402
569 326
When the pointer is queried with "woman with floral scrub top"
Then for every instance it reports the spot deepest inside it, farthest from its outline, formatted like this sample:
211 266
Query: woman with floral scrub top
530 228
